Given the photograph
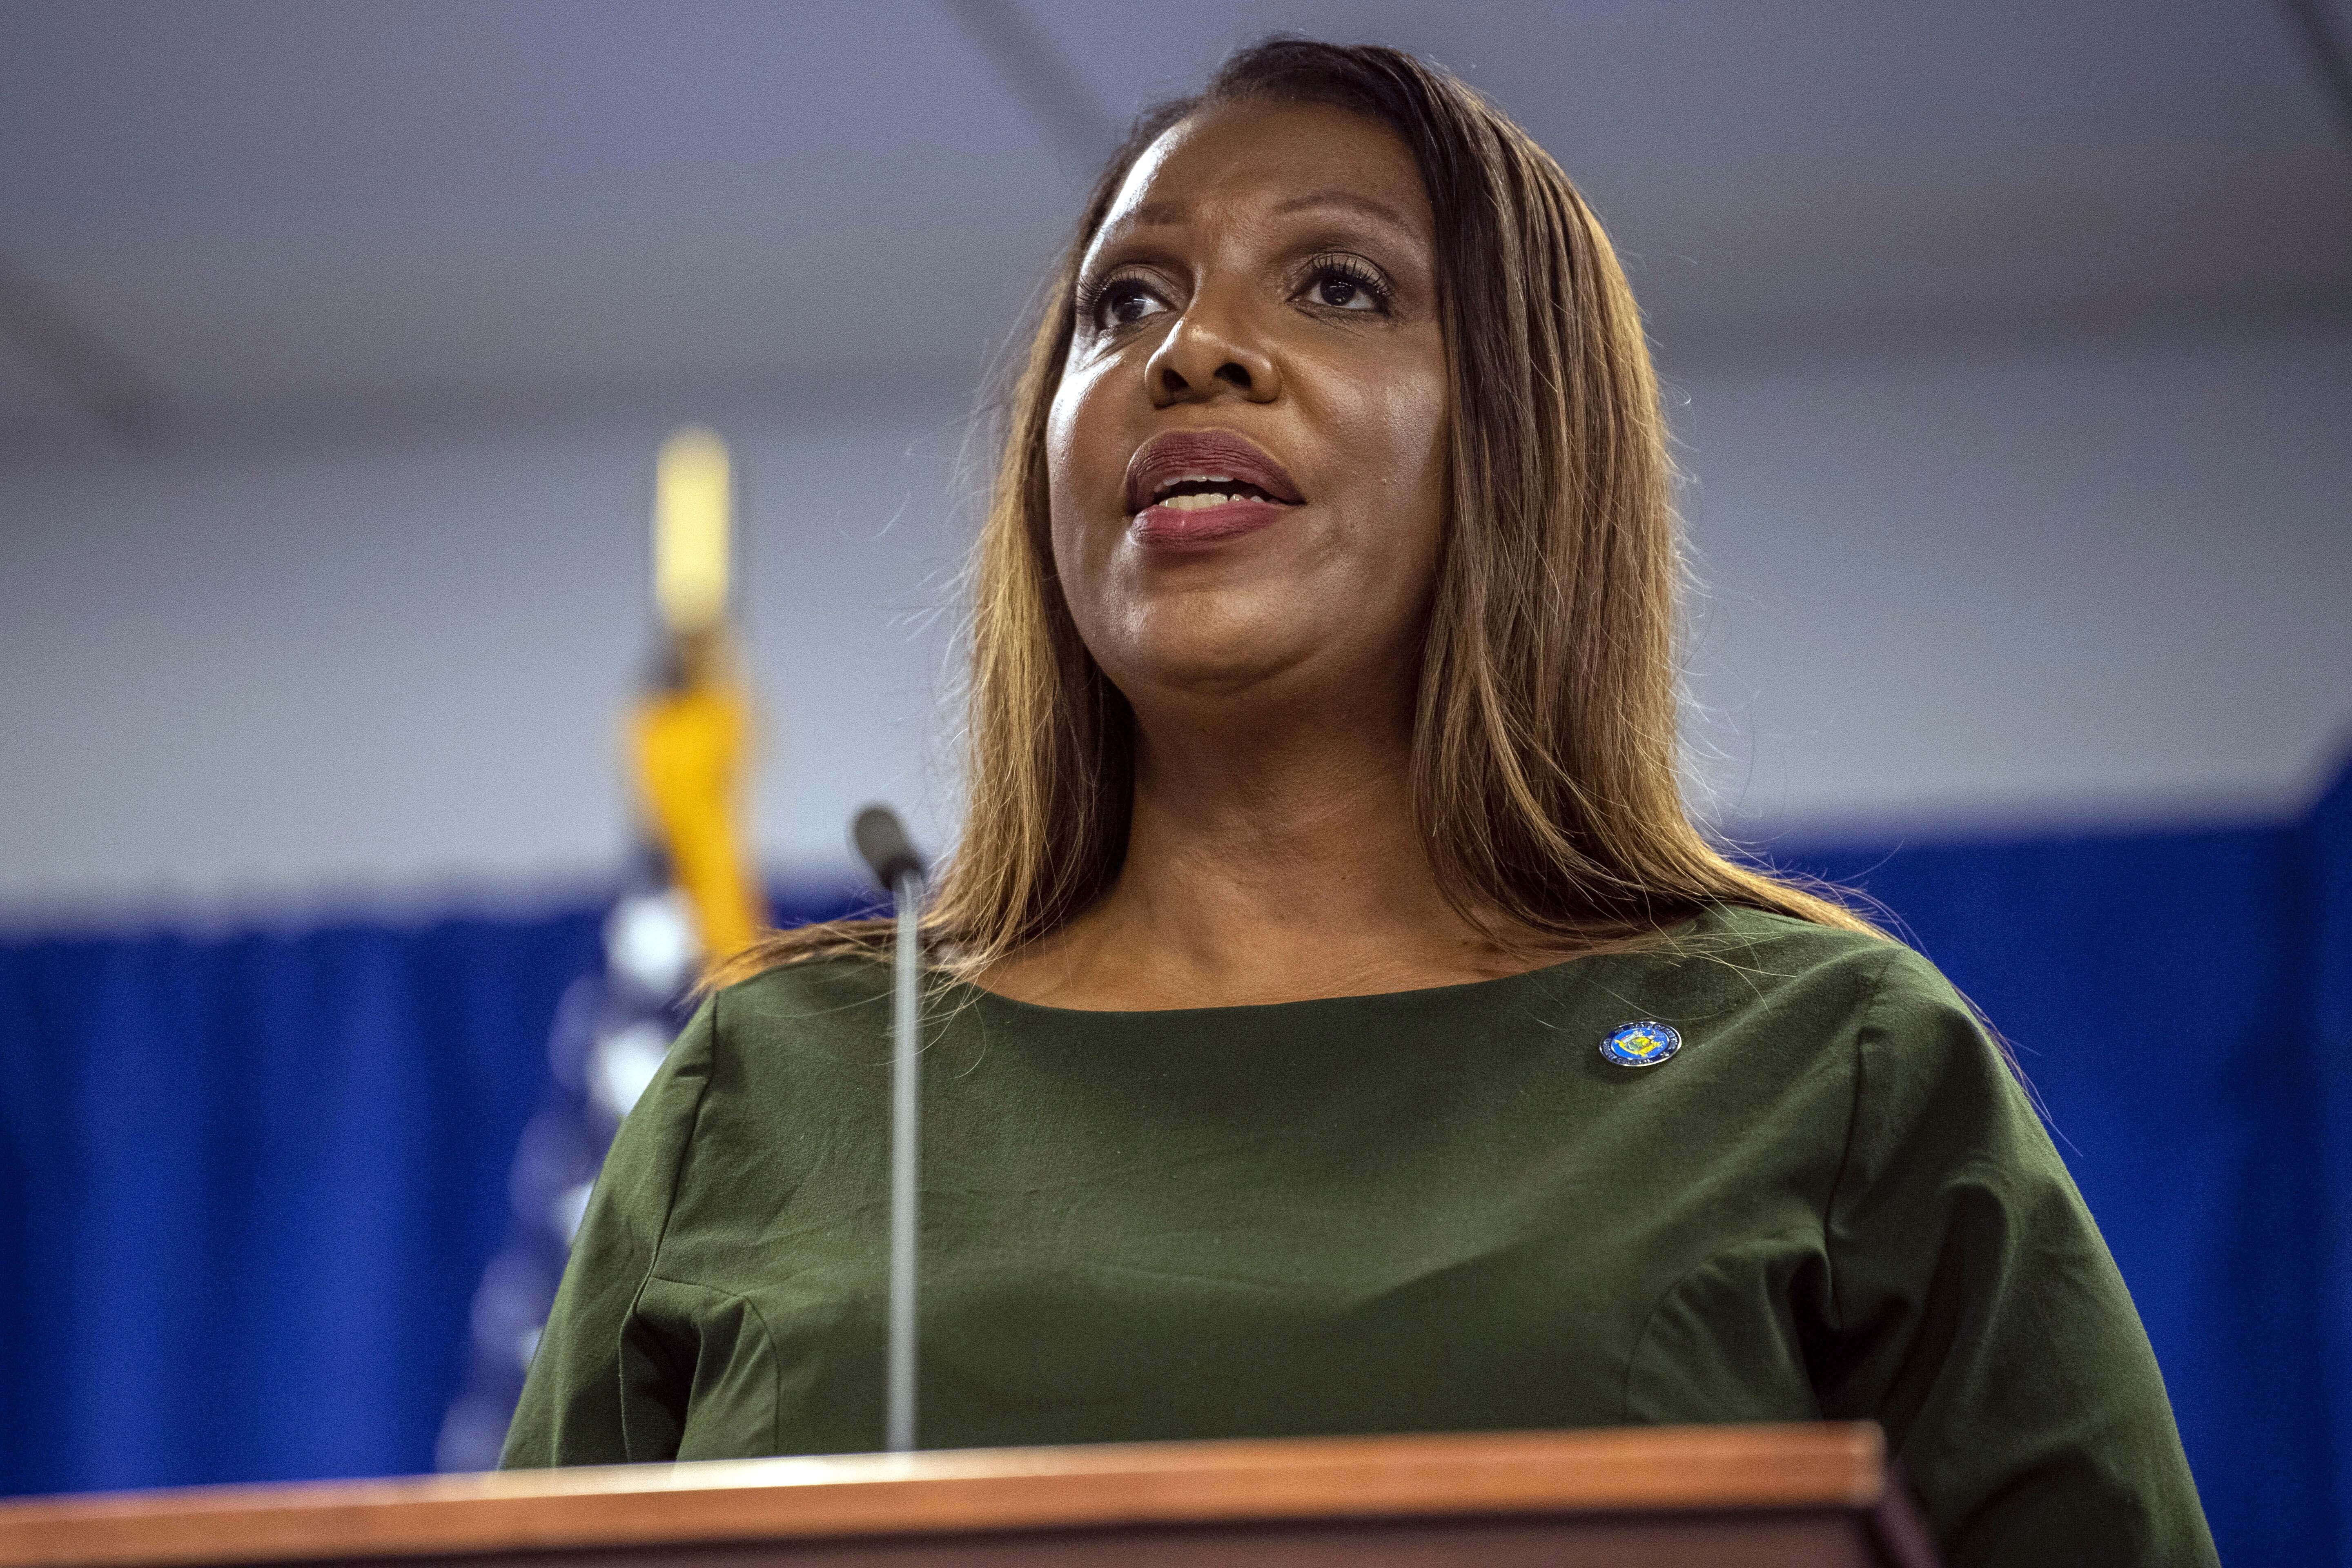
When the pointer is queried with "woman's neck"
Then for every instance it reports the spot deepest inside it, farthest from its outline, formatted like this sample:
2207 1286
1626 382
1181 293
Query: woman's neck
1274 867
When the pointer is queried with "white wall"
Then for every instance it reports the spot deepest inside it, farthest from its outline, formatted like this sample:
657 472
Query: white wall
1978 592
271 675
1942 593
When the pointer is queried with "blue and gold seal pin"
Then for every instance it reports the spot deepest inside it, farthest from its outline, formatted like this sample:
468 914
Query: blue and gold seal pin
1641 1045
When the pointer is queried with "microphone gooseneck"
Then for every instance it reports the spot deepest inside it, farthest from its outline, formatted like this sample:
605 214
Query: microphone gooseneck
881 841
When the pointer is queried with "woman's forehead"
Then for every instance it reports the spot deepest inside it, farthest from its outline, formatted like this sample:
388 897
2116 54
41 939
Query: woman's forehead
1270 158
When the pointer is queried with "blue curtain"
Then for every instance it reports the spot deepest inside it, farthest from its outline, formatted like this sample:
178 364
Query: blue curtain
2182 1003
247 1184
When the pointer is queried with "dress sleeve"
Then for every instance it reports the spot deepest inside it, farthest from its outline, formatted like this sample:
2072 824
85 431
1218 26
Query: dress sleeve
1976 1312
588 1399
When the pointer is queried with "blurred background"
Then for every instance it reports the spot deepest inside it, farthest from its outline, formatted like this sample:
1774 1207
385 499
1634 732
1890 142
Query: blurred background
2009 354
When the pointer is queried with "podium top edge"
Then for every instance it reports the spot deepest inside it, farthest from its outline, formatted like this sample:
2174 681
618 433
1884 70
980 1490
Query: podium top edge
1820 1465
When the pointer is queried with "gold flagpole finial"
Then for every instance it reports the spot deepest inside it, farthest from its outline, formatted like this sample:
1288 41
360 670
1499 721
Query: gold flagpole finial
693 511
692 735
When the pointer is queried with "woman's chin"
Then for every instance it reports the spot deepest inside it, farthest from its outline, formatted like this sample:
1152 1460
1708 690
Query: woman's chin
1234 670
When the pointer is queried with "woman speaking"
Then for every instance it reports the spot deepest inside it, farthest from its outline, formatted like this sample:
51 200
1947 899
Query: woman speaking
1339 1027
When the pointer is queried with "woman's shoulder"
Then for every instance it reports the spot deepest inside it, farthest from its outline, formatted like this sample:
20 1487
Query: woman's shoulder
826 980
1760 954
832 997
1825 987
1878 1003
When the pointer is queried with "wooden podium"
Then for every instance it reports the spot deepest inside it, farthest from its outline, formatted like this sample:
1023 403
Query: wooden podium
1728 1497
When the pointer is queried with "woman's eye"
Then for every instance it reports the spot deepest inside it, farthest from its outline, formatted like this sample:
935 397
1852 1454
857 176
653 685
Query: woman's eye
1341 293
1344 289
1125 301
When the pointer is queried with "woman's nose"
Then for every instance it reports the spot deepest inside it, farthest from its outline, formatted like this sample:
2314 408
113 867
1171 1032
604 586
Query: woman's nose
1206 354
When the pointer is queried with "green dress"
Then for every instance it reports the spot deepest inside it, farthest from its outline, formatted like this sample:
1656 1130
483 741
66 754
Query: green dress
1435 1210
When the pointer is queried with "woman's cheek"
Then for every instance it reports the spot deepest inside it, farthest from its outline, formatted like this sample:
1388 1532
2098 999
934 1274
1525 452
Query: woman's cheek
1065 481
1416 435
1084 463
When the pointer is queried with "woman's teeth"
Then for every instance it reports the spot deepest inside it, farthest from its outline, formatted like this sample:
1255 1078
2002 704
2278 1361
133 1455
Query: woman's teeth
1198 492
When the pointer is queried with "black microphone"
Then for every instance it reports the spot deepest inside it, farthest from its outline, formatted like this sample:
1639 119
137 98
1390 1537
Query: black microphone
881 841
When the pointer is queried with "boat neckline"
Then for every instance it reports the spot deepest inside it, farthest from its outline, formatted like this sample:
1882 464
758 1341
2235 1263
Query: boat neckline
1659 948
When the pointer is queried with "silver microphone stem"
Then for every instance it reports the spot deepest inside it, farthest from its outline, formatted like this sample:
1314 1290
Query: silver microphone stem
906 1107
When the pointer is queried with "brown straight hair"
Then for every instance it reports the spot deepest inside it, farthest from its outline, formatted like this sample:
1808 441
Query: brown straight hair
1545 747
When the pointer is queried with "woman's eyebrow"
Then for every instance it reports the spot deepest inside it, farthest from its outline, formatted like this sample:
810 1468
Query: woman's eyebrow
1334 198
1153 215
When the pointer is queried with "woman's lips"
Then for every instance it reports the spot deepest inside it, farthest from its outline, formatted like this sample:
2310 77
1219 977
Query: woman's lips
1227 520
1197 486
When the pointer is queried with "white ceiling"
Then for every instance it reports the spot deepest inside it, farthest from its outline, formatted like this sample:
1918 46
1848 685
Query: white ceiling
266 210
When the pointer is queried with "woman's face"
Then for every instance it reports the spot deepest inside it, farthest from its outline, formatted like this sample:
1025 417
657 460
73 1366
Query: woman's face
1247 452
